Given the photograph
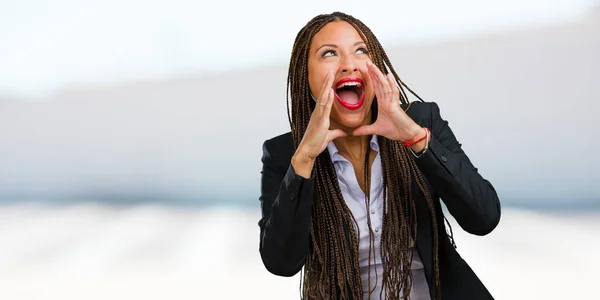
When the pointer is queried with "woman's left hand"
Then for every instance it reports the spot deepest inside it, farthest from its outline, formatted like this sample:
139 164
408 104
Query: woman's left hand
392 122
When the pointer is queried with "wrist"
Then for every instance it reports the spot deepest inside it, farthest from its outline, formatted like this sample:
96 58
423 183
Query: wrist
416 149
419 141
420 146
302 164
417 132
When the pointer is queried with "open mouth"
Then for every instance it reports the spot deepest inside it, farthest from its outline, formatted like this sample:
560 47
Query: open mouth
350 92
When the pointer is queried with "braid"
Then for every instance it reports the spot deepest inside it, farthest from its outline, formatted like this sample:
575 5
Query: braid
331 270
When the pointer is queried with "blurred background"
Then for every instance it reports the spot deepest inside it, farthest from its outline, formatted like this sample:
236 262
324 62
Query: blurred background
131 135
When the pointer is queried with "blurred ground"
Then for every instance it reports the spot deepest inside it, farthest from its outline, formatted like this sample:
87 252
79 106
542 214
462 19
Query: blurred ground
89 251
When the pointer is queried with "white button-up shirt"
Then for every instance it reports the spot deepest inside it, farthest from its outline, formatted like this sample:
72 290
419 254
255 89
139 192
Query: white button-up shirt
355 200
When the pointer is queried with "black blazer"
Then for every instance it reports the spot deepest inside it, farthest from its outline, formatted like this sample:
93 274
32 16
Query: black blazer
286 200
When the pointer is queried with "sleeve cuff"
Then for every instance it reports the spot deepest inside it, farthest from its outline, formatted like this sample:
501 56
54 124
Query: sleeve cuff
294 182
436 156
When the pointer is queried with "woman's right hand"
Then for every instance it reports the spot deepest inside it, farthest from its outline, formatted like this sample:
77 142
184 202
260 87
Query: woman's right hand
317 134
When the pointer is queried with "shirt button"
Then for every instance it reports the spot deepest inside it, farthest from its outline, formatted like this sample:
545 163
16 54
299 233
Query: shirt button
444 159
372 211
376 229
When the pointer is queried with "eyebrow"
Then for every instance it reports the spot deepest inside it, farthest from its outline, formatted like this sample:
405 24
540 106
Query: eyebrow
335 46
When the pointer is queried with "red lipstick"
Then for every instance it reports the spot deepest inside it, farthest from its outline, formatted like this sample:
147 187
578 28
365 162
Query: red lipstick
353 82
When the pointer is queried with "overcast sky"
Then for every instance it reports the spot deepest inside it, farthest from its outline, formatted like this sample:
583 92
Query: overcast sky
49 44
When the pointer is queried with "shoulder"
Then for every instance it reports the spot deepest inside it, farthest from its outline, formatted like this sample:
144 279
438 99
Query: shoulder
424 113
281 140
280 147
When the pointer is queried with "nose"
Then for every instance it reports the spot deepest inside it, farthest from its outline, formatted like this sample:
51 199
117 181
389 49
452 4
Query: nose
349 65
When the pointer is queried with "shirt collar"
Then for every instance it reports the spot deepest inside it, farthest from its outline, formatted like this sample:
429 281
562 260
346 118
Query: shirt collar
335 156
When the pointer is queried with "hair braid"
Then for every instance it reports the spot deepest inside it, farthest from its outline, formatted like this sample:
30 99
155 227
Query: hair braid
329 273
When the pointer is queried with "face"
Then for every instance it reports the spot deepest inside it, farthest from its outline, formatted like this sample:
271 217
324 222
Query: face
339 48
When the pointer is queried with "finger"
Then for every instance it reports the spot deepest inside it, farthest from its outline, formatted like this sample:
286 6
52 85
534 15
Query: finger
382 89
365 130
394 86
325 89
371 68
334 134
385 85
375 81
318 97
327 107
380 78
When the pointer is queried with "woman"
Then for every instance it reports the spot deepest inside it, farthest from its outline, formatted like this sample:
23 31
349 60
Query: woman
363 219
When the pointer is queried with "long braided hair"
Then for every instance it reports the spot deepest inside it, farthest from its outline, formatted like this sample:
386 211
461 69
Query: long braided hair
332 268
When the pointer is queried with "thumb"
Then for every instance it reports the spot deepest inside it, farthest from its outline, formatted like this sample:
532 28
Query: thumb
334 134
365 130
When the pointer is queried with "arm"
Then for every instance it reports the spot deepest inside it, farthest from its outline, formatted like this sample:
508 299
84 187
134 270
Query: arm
470 198
286 201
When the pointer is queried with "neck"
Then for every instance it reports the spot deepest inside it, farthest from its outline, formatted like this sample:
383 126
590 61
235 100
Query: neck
353 148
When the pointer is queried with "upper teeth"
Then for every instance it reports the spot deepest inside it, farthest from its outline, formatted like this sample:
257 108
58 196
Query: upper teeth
349 83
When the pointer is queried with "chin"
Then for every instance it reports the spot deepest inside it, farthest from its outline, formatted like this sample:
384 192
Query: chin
352 120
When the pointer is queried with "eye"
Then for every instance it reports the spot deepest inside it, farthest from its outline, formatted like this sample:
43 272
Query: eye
328 52
362 50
